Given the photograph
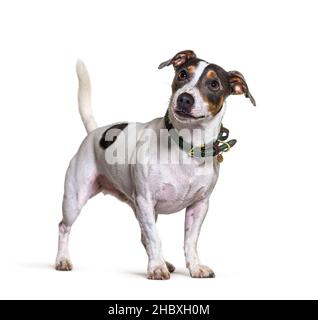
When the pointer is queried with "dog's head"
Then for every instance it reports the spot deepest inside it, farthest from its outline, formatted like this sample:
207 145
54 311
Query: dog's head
199 88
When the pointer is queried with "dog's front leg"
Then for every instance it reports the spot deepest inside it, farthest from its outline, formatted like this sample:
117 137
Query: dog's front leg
195 215
157 268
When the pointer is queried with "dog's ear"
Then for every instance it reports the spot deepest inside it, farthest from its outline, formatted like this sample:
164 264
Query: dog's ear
238 85
179 59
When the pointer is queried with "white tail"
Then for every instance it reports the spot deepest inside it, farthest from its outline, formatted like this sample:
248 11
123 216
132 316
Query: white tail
84 97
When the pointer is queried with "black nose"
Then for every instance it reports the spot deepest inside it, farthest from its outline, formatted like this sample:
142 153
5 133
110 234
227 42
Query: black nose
185 102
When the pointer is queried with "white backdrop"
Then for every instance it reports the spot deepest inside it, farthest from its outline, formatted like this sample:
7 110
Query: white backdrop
260 236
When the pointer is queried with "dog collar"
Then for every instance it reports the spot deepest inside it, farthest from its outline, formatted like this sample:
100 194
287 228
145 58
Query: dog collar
206 150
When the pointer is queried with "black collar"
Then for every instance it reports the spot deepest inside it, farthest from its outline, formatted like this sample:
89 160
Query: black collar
206 150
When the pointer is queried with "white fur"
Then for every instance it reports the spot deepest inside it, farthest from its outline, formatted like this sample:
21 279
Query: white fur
148 187
84 97
198 72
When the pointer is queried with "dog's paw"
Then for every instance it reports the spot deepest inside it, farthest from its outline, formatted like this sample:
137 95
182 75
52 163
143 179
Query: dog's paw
159 273
170 266
63 264
200 271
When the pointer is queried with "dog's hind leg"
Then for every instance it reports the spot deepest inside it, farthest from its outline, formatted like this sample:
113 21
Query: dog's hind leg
80 185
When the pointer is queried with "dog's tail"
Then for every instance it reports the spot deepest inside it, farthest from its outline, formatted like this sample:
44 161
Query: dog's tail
84 97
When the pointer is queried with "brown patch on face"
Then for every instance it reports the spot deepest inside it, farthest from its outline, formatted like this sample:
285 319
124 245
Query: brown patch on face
211 74
191 69
214 107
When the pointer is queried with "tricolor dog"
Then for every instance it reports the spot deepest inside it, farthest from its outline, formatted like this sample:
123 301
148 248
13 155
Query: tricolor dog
148 184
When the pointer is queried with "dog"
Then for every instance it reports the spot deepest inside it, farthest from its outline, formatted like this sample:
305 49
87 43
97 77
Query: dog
149 187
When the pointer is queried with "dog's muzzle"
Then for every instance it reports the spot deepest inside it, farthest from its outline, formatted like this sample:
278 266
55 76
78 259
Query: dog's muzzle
185 104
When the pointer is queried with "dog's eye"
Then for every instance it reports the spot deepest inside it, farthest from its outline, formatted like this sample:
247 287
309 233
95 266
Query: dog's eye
183 75
214 85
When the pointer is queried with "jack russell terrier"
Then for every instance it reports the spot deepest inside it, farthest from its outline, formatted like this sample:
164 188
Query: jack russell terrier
148 183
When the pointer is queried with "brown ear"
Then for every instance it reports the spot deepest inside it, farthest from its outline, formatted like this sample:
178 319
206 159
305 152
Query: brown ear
179 59
238 85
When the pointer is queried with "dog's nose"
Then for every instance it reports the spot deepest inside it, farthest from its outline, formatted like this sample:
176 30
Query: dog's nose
185 102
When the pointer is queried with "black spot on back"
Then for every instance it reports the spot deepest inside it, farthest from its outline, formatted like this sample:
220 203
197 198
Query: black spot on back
103 143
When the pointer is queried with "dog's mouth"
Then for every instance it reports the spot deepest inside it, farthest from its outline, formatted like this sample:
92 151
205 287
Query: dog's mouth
185 115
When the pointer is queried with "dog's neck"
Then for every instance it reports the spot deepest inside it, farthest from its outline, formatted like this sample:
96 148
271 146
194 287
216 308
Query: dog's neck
199 132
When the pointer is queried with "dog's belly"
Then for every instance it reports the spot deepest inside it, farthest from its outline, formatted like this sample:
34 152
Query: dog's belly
171 200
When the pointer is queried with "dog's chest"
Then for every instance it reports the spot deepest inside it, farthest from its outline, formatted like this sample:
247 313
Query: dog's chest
178 186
